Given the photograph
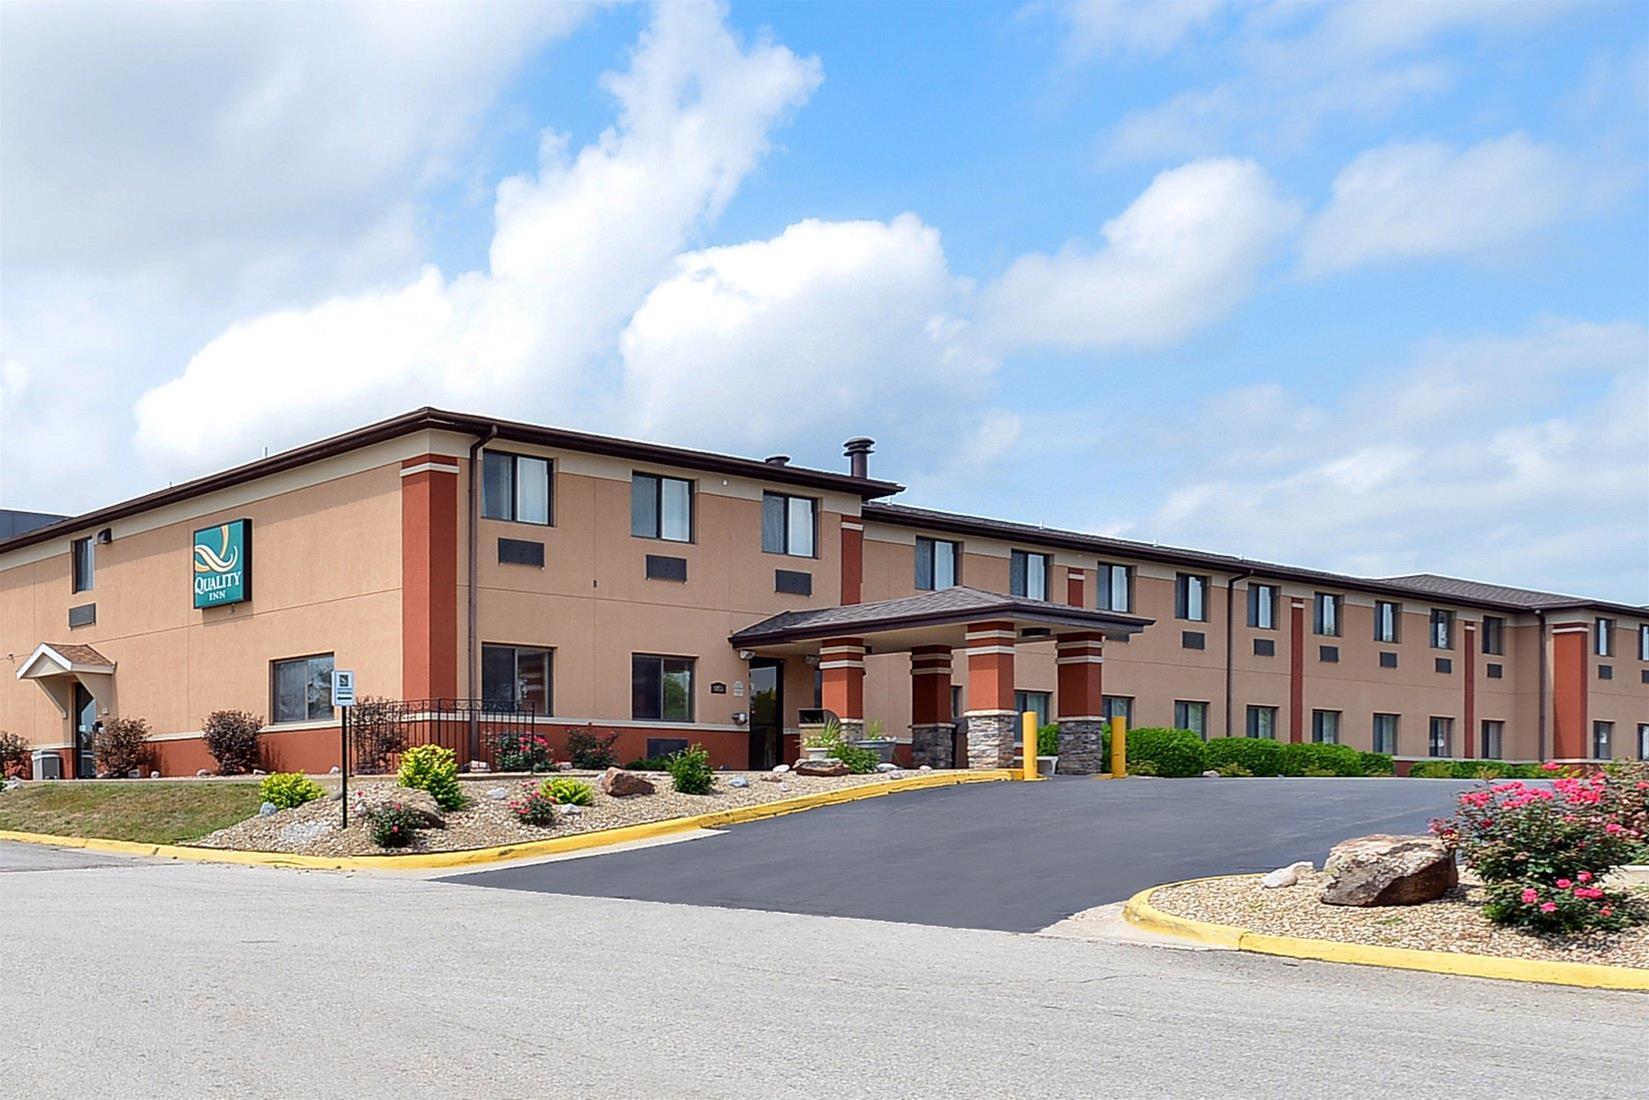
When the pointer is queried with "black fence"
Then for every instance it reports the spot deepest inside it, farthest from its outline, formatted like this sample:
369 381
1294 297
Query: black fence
499 735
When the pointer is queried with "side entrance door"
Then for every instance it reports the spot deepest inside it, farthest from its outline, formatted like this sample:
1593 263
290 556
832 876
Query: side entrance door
766 712
85 725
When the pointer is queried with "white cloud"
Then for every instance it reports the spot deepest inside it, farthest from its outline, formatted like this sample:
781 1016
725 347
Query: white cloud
1181 256
1425 199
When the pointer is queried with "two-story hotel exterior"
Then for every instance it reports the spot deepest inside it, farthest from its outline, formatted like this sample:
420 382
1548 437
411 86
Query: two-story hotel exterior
676 595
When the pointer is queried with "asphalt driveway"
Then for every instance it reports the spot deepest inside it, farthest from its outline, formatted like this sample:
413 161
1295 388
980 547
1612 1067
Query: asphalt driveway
1010 856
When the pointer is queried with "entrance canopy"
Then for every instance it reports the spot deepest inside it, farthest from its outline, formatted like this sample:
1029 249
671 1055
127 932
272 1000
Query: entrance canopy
57 666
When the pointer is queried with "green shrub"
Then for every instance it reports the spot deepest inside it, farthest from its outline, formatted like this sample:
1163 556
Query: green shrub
522 752
392 825
1172 753
1302 757
231 736
649 764
690 770
1234 770
14 754
1047 740
535 806
568 791
121 746
432 768
1433 769
1377 763
859 761
591 751
1144 767
289 789
1261 756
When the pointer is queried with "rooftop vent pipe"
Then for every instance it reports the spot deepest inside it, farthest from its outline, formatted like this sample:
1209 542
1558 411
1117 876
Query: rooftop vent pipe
858 451
777 460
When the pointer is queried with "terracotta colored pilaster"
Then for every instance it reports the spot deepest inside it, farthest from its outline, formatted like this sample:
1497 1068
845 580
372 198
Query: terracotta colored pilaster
853 560
1570 737
930 685
429 577
1469 746
842 672
1296 670
1080 663
990 667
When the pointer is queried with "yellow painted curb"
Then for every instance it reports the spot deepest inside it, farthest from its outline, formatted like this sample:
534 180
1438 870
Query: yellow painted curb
1140 912
532 849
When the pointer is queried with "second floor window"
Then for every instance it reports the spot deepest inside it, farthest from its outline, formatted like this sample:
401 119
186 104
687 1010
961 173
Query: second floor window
1028 575
1442 629
661 508
1603 632
1643 642
661 688
1116 588
1191 597
1385 733
1262 722
1326 616
789 524
936 561
1388 618
515 487
516 676
84 564
1262 606
1494 635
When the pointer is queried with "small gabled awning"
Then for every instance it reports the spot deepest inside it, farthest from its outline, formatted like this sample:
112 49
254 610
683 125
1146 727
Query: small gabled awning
55 666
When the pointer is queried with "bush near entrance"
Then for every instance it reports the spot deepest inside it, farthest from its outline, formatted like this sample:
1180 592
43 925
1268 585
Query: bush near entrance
433 768
1171 753
289 789
231 736
121 746
1309 757
590 751
1259 755
691 772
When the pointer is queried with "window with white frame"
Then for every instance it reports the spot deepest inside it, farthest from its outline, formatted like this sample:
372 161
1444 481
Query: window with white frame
515 487
1116 588
936 562
1028 575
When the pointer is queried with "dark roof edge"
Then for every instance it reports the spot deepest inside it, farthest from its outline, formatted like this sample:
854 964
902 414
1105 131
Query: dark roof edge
1029 611
959 523
432 419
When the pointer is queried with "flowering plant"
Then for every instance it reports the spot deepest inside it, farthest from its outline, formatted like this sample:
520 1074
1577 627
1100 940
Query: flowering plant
391 824
523 752
533 806
1567 905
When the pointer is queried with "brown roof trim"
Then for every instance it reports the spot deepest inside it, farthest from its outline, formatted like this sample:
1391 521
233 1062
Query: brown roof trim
905 515
814 624
432 419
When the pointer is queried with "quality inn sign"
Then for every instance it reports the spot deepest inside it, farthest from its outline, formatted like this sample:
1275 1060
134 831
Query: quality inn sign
223 563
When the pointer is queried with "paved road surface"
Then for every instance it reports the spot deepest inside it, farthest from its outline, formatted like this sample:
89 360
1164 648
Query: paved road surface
1010 856
179 980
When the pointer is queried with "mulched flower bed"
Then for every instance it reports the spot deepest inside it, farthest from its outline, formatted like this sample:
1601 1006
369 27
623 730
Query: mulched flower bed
313 828
1453 923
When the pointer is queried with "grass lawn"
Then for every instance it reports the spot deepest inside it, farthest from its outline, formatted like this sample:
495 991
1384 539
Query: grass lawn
144 810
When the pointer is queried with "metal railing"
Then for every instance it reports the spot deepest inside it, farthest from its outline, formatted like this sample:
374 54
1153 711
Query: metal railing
478 731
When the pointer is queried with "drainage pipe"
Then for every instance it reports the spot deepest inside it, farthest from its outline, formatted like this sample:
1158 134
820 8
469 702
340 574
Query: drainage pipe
472 645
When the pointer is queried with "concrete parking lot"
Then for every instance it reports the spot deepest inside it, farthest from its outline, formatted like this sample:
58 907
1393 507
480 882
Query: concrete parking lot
1008 856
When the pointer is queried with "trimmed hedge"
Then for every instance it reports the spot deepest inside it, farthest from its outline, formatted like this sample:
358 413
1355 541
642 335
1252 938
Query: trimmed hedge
1377 763
1475 769
1306 757
1260 756
1173 753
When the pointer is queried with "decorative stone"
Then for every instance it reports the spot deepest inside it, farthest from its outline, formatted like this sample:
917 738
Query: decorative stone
887 767
334 770
780 769
1210 774
13 783
1081 746
933 744
154 775
202 773
1389 870
497 794
479 766
305 832
830 766
622 784
259 771
266 809
570 810
420 802
924 768
738 781
1286 876
135 773
993 740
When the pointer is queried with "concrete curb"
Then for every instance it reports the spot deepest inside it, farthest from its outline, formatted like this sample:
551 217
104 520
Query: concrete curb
1140 912
531 850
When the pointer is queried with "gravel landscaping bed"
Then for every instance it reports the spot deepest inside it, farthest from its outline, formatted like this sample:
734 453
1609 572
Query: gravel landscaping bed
1453 923
313 828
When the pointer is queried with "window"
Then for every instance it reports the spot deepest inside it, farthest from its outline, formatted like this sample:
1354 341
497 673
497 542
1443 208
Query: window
1116 590
1388 621
955 701
936 562
84 559
515 487
1493 736
302 689
1262 606
1643 741
1034 701
1385 733
789 524
1326 614
1325 727
1643 642
1191 716
1191 597
1442 629
1441 736
516 676
1602 734
1118 706
661 688
1494 635
1388 659
1603 631
1262 722
661 508
1028 575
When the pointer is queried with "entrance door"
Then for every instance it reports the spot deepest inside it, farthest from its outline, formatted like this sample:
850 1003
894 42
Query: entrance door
766 712
85 724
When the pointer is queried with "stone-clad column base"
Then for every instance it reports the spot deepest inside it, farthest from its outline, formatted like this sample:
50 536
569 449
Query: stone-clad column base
993 739
933 744
853 729
1081 746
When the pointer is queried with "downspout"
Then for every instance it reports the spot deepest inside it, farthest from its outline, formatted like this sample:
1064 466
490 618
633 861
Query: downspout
472 641
1540 746
1230 623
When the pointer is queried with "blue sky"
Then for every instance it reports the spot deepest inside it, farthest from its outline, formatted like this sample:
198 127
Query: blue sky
1355 286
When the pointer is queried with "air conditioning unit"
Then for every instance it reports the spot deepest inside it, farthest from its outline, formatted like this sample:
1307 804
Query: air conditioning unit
48 765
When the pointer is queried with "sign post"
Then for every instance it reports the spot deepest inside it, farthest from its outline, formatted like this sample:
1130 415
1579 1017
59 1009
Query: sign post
343 696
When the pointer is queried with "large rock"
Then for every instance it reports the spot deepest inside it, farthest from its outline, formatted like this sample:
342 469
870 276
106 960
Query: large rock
828 766
622 784
420 802
1388 870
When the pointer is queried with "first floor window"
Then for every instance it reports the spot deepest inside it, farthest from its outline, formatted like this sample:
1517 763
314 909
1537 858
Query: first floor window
1494 635
302 689
1388 617
1493 737
1643 741
1118 706
1191 597
1262 606
1326 616
515 487
84 564
661 688
1442 629
1116 589
1262 722
1028 575
1603 631
1191 716
955 702
1602 734
789 524
1034 701
1385 733
936 561
1325 727
661 508
1441 734
516 676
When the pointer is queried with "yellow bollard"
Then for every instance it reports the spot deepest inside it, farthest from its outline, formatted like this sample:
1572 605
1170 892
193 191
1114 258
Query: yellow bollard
1119 747
1027 725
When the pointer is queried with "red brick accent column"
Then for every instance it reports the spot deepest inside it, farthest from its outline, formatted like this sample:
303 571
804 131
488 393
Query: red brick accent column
932 734
1075 588
1080 661
1469 661
1296 669
993 727
853 560
842 671
1569 711
429 577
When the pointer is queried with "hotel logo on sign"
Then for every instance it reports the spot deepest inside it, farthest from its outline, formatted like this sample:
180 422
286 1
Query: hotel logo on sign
223 563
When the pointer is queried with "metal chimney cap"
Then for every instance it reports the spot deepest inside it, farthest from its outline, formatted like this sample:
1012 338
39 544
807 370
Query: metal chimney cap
859 444
777 460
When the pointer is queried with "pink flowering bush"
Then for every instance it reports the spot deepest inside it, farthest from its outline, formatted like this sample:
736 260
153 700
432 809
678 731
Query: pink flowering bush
523 752
534 806
1567 905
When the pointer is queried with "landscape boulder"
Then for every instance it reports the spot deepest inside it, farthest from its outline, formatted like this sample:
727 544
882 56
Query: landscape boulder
828 766
364 800
1388 870
622 784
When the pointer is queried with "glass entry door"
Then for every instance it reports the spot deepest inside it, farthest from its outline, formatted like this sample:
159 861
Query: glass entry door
85 728
766 712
